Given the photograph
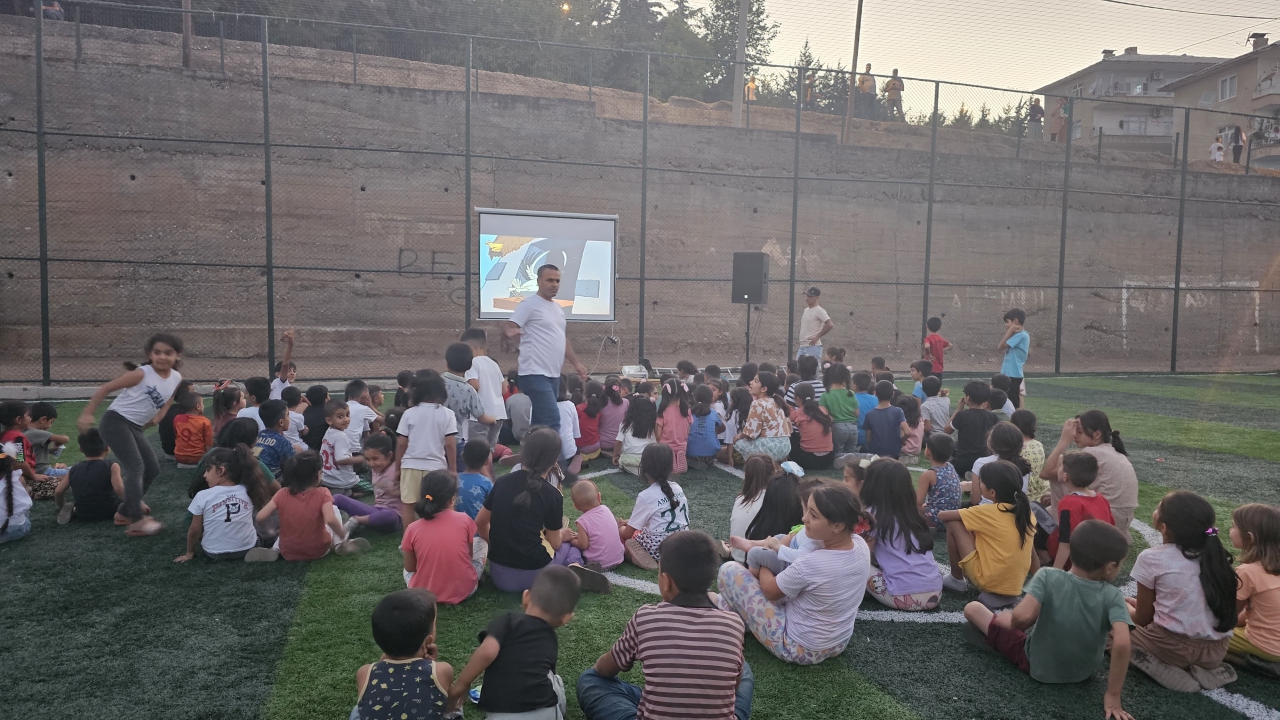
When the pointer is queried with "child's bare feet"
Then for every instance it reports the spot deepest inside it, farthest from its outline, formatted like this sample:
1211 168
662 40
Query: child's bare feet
741 543
147 526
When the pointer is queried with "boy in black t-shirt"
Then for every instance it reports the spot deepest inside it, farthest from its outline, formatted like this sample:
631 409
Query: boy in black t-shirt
971 423
95 484
517 653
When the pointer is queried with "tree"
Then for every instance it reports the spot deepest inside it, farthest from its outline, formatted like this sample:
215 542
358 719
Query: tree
963 119
719 25
680 75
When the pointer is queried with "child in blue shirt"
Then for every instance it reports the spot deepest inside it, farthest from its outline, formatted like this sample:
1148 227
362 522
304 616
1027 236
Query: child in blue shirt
272 447
920 370
474 484
1015 344
866 403
703 442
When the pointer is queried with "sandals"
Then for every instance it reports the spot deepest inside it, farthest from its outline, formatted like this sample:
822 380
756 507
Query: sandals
638 556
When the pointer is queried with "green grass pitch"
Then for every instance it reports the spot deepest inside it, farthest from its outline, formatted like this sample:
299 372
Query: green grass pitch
95 624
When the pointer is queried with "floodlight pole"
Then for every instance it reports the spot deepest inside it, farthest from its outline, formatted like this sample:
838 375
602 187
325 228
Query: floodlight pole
739 65
853 75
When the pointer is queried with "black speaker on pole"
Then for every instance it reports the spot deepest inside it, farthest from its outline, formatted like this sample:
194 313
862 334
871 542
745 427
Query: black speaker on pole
751 278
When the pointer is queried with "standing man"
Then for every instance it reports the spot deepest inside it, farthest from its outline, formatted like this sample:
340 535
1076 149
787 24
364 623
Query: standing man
864 100
814 323
1035 120
539 323
893 93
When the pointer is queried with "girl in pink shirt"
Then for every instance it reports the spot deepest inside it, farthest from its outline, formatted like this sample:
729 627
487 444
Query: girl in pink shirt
812 444
441 550
672 428
911 447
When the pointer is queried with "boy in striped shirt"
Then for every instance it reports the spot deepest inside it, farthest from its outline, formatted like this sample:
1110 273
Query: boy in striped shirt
691 650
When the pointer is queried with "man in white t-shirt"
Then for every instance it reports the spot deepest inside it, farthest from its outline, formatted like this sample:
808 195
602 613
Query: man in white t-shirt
486 377
539 323
814 323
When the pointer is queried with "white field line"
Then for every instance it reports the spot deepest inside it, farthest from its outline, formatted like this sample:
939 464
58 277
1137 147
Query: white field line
1251 709
598 473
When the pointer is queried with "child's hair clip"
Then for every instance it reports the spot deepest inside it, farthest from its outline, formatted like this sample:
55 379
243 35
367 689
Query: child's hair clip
428 497
1211 532
865 462
792 468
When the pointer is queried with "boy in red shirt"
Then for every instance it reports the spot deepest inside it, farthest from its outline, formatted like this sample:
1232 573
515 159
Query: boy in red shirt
935 345
193 432
1078 471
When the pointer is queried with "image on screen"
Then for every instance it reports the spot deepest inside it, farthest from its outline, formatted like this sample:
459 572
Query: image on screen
513 246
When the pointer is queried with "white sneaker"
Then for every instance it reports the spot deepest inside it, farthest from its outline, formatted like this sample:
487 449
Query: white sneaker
351 525
955 584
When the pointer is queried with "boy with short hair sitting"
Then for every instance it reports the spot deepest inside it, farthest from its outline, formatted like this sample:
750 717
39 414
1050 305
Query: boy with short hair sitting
476 482
294 400
43 442
1058 632
95 484
407 677
272 447
683 642
518 653
936 408
597 535
192 431
1077 471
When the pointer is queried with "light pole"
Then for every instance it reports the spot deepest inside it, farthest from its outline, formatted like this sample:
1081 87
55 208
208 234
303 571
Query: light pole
853 74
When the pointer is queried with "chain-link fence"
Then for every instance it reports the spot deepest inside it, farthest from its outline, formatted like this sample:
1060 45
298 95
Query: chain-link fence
321 177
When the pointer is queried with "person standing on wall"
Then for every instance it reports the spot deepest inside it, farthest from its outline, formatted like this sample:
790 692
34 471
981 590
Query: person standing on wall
1058 126
864 99
539 323
893 94
814 323
1035 120
1237 143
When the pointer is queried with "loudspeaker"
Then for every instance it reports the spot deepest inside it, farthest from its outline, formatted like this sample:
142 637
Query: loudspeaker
751 278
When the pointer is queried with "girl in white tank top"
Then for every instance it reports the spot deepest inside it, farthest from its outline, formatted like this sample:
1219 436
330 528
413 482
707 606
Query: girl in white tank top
145 394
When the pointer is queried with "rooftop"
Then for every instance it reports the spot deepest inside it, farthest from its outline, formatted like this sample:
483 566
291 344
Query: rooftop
1131 55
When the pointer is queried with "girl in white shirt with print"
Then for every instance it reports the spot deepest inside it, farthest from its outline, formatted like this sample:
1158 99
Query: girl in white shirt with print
222 514
660 510
145 395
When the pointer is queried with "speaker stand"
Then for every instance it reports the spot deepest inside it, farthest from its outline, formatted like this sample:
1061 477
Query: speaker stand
748 353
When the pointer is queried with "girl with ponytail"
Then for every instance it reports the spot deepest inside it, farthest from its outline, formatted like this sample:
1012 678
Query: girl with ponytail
660 510
441 551
1117 482
672 427
523 517
989 544
15 499
611 412
222 514
1185 610
767 430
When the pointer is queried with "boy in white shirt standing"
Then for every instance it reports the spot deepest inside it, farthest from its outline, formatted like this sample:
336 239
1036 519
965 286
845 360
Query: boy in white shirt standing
286 371
486 377
365 418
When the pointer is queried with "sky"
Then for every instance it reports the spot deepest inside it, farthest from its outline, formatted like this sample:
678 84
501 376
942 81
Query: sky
1021 44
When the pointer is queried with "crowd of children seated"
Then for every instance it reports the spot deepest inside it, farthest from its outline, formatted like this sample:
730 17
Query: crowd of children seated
283 473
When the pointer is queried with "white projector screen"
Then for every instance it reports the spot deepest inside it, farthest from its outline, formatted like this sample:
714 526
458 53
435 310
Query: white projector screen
515 243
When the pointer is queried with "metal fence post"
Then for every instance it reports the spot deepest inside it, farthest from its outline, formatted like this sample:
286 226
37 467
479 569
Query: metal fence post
79 49
1248 157
928 223
466 243
355 57
590 75
1017 149
1100 134
266 164
795 217
222 47
644 199
42 206
1176 140
1177 263
1062 238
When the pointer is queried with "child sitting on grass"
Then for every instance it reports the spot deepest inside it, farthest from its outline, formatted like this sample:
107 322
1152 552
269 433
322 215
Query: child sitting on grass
441 550
44 443
229 532
938 488
309 526
811 443
1255 644
293 400
778 552
912 445
683 642
285 371
407 681
971 423
475 484
257 390
193 432
228 401
384 515
597 536
1032 452
635 434
336 451
14 420
672 425
1058 632
1078 471
1185 612
518 653
906 575
272 447
15 499
991 544
886 424
756 474
704 430
660 509
936 406
95 484
164 428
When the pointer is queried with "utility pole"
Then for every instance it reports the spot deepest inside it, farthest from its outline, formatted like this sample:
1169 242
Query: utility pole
853 75
187 31
740 63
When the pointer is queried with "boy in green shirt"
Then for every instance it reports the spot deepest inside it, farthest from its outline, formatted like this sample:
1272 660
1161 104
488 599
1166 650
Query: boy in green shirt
1069 615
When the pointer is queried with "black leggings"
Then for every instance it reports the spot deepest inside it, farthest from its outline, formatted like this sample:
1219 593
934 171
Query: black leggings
1015 392
138 464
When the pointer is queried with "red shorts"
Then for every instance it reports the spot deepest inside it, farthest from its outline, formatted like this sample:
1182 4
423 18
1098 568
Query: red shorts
1009 642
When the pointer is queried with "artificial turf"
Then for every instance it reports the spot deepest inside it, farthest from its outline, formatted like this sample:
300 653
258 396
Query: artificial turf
106 626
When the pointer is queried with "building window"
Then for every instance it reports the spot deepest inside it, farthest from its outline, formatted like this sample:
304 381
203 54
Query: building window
1077 90
1226 88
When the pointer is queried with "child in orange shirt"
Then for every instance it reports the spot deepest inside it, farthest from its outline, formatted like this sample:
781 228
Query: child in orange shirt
192 430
